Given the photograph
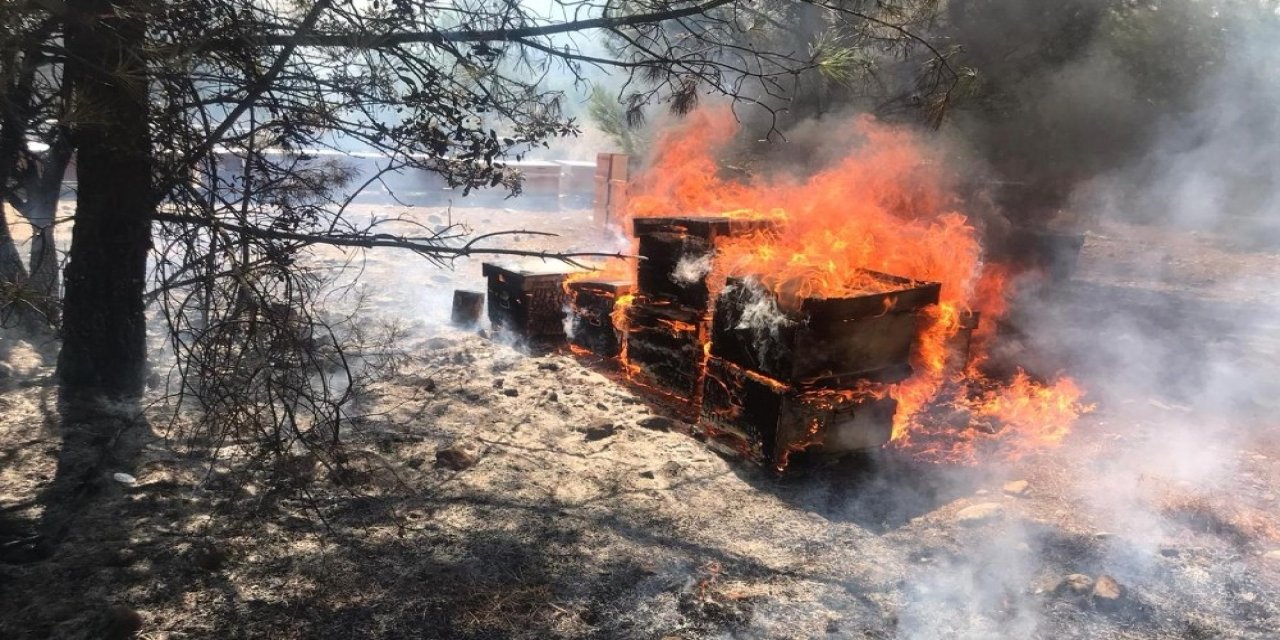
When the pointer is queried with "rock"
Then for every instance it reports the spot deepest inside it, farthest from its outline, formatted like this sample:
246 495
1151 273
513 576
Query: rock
671 469
1076 584
980 513
483 334
599 431
1170 552
125 479
1016 487
548 366
553 397
657 423
416 462
647 474
498 382
455 459
209 557
1107 592
120 623
510 393
6 370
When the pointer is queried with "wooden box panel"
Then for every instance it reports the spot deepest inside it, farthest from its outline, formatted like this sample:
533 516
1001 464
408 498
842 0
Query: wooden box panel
527 304
665 347
592 303
767 420
867 336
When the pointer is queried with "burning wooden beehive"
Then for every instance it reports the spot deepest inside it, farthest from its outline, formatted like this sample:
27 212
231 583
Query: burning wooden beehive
668 321
665 347
592 325
859 337
767 420
527 304
785 376
678 255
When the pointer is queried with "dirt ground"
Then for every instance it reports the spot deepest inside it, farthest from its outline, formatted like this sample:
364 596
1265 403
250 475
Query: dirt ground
587 514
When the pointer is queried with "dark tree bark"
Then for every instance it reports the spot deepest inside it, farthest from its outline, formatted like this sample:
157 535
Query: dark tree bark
104 325
11 269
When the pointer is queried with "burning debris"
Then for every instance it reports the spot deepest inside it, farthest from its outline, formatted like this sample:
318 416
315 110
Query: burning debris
843 312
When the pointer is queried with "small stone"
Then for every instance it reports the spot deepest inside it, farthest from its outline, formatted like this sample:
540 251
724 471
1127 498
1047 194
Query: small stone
483 334
1248 596
599 431
125 479
498 382
209 557
1106 591
1076 584
657 423
6 370
1170 552
1017 487
553 397
671 469
548 366
980 513
510 393
120 623
455 459
416 462
647 474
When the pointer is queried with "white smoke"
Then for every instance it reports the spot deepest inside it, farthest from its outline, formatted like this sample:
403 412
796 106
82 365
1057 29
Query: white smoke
692 268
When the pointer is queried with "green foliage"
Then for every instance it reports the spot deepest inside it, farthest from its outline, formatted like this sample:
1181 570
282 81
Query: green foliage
612 117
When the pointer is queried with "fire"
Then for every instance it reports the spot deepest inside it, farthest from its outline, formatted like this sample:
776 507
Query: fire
884 207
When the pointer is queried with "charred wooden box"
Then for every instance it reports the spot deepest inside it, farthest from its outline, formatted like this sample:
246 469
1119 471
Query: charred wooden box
767 420
825 340
592 326
665 347
527 304
678 254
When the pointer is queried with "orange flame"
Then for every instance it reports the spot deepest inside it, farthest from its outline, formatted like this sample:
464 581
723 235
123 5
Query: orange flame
883 207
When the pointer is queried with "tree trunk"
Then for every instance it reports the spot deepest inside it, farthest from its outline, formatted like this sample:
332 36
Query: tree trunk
11 269
104 324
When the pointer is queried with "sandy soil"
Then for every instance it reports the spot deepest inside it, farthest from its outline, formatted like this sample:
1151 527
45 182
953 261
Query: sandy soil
587 515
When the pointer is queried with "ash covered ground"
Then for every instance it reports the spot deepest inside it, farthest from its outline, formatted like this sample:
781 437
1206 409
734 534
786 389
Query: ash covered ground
495 494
